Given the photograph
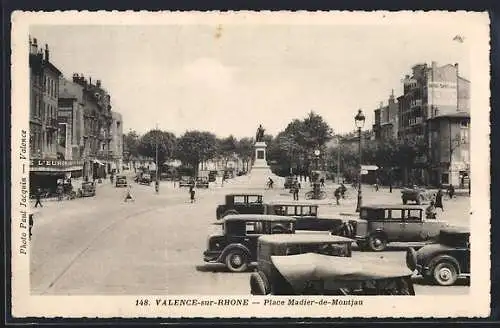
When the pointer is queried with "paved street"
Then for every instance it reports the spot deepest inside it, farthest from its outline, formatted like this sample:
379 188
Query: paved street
154 245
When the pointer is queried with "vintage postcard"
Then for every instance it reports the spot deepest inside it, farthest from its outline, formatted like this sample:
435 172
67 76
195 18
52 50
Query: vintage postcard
250 164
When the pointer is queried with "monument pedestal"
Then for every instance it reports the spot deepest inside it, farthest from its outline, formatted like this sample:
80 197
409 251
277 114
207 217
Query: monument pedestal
259 173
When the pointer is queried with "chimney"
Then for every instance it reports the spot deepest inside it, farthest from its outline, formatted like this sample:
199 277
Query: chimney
434 65
90 80
46 52
98 83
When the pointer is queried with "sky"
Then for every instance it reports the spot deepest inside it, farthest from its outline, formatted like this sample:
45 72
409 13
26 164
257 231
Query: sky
228 79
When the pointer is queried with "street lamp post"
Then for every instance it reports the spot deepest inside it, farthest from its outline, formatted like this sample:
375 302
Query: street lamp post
359 121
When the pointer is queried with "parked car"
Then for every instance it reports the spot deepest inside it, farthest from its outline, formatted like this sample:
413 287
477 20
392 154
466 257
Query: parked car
185 181
289 182
121 181
145 179
320 273
418 195
212 176
88 189
240 204
379 225
444 261
202 182
236 244
306 215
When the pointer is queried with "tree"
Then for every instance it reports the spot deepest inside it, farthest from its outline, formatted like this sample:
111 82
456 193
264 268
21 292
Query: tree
195 147
165 141
226 148
131 142
244 149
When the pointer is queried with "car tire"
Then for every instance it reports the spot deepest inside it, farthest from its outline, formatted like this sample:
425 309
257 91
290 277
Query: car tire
237 261
444 273
377 242
259 285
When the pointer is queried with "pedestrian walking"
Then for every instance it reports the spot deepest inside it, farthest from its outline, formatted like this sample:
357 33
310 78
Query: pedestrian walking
451 191
38 196
322 181
390 186
295 190
270 183
343 190
439 200
128 195
192 193
337 195
30 223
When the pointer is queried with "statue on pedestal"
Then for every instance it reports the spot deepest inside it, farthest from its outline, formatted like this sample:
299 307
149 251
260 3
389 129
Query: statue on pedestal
259 136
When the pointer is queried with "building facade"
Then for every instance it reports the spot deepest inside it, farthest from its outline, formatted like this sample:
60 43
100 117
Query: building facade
116 147
385 126
47 164
70 118
436 100
450 149
97 122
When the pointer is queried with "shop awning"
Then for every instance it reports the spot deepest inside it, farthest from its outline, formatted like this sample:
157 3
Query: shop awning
55 166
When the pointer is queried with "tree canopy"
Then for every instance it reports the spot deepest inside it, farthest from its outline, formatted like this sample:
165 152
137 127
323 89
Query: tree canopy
165 141
194 147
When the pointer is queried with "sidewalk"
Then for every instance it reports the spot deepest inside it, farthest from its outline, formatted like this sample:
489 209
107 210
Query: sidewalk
77 184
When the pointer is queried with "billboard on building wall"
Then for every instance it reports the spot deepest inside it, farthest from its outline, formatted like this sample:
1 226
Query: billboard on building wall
442 95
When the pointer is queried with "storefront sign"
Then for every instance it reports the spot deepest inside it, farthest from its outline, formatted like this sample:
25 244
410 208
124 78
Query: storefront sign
56 165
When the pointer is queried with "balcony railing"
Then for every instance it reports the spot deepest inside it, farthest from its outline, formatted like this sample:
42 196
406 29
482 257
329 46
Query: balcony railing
415 121
51 123
416 103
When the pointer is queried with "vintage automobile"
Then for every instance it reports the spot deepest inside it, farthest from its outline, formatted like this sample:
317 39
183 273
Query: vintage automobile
306 215
202 182
212 176
121 181
88 189
379 225
418 195
289 182
185 181
317 273
235 245
240 204
444 261
145 178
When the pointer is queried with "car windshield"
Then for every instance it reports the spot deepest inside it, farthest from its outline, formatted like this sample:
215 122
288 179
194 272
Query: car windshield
373 213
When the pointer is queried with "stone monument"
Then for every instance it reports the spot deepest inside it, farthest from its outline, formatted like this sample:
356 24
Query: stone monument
260 171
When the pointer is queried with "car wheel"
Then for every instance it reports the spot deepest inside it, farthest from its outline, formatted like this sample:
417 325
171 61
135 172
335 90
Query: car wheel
237 261
259 285
445 273
278 229
377 242
309 195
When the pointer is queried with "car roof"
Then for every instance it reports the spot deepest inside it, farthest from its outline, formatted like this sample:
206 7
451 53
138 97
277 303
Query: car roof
394 206
301 268
292 203
121 176
304 238
256 217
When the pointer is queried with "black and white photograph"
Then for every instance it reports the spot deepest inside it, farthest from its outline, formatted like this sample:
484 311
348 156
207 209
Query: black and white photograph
202 164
